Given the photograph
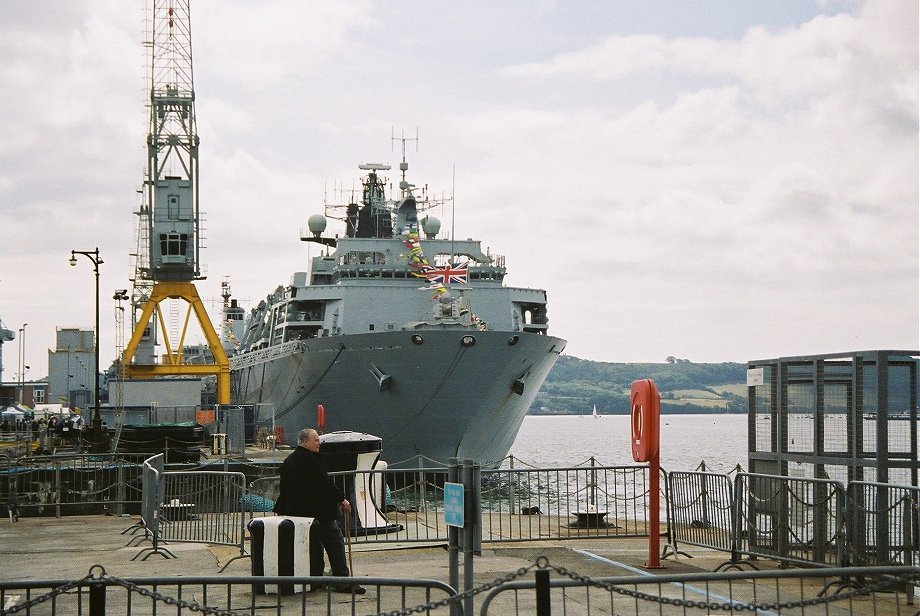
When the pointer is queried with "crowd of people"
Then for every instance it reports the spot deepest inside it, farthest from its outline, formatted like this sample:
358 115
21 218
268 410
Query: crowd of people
61 429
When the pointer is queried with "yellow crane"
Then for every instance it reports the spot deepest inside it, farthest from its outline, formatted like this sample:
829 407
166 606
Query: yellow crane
167 262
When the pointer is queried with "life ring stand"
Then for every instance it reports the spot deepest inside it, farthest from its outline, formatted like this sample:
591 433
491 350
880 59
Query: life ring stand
321 418
646 412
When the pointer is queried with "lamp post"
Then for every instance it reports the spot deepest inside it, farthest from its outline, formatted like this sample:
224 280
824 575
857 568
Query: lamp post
97 436
22 362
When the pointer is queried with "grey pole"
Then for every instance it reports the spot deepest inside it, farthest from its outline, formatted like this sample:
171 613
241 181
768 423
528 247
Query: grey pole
468 532
453 546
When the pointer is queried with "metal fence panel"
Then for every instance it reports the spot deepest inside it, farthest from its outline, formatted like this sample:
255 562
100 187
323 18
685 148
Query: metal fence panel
101 593
202 507
564 503
834 591
791 519
701 510
884 523
151 492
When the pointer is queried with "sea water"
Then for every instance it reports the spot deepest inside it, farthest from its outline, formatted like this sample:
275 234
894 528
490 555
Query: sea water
719 440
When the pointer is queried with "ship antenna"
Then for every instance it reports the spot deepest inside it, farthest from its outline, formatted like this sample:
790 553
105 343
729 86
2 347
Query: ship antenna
403 166
453 210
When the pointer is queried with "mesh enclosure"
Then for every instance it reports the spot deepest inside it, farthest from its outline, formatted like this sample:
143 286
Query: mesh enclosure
846 417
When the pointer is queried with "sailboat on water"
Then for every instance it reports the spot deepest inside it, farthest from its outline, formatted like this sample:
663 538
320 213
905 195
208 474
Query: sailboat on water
594 413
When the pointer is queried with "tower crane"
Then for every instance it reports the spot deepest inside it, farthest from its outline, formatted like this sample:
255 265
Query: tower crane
167 261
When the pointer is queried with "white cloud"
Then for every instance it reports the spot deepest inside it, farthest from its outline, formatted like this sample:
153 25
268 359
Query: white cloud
710 197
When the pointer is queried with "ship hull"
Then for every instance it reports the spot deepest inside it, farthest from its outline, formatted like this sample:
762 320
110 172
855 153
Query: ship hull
429 399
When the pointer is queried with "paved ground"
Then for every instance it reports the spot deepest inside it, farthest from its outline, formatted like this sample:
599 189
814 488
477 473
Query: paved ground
66 548
56 548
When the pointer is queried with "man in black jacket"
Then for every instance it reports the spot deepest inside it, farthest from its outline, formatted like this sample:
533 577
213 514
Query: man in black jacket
307 491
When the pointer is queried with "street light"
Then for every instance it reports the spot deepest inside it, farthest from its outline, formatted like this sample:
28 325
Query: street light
22 362
93 255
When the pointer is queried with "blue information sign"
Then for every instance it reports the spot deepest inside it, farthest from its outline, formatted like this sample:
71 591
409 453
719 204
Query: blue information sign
453 504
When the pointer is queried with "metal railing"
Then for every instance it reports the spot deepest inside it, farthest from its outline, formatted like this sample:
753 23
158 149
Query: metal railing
202 507
701 510
77 484
102 593
564 503
517 504
850 590
791 519
884 523
854 590
796 520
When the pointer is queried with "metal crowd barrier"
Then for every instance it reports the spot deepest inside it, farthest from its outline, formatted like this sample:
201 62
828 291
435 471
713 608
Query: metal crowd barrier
852 590
190 507
791 519
701 510
564 503
71 485
884 523
151 497
517 504
101 593
202 507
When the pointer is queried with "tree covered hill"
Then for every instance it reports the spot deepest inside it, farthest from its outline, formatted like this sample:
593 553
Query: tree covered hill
576 386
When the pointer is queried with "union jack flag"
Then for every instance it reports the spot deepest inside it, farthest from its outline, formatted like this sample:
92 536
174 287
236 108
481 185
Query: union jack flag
447 274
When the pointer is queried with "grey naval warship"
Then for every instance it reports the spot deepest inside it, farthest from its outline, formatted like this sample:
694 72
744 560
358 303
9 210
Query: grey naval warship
397 333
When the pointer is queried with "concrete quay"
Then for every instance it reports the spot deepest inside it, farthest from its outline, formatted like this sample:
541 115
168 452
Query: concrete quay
57 548
67 548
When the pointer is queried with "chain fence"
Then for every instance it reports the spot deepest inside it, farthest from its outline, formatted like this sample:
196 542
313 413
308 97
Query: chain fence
858 590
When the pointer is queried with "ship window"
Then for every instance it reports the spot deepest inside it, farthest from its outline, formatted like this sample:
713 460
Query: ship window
370 327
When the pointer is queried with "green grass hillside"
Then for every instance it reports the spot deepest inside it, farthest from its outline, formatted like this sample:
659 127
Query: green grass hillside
576 386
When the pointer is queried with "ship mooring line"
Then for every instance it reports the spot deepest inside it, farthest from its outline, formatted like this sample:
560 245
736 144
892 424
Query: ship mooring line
691 588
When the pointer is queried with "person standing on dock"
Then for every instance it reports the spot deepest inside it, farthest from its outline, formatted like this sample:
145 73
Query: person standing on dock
308 491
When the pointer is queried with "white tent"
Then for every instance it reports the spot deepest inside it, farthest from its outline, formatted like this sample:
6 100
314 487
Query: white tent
12 413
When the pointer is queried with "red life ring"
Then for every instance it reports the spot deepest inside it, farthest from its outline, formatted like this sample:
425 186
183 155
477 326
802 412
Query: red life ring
320 418
646 413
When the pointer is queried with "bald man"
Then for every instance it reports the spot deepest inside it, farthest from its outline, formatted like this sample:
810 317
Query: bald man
308 491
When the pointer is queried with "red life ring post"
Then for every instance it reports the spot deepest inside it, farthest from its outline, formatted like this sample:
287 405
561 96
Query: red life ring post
320 418
645 441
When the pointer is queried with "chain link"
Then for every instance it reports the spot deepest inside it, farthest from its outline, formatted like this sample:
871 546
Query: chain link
190 605
542 562
98 575
728 606
51 594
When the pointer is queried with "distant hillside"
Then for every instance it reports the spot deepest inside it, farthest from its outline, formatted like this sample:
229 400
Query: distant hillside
575 386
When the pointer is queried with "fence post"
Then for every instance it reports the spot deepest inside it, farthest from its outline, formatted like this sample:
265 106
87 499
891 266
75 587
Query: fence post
544 608
453 546
593 493
96 598
120 490
511 485
472 525
704 496
57 489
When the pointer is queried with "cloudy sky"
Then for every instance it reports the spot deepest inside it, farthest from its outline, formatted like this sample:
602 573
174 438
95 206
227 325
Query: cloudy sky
718 181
